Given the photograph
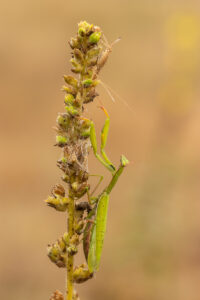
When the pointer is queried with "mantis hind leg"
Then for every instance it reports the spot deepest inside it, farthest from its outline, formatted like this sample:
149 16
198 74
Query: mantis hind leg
91 199
98 183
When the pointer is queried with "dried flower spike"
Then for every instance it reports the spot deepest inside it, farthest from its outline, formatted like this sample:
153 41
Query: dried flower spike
75 136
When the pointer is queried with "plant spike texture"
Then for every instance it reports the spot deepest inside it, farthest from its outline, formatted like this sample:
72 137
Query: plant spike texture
76 134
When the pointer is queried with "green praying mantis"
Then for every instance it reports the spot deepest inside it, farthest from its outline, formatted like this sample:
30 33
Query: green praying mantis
97 218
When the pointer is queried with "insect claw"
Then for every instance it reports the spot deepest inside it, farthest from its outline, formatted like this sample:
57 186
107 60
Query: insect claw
104 110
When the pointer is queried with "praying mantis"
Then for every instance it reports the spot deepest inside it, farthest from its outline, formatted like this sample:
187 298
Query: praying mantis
97 219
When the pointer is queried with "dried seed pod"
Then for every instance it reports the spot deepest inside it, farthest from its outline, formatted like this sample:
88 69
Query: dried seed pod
85 133
74 43
90 96
71 110
58 190
92 62
81 32
78 227
69 99
79 189
85 27
90 83
77 67
59 203
57 296
69 90
74 240
87 82
71 81
56 255
63 121
65 178
81 274
72 250
66 238
94 37
78 55
61 140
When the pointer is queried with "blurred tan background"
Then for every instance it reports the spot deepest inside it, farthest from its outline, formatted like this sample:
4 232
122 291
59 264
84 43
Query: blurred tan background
152 246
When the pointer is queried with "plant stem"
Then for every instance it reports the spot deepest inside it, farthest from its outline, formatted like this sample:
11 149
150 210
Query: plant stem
70 257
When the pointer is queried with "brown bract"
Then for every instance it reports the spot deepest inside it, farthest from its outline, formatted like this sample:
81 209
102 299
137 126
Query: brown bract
57 296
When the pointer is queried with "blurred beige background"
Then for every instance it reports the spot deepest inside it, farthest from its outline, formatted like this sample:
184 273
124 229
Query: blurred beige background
152 246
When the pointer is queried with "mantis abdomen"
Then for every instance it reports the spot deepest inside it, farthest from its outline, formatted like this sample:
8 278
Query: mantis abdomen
95 234
101 221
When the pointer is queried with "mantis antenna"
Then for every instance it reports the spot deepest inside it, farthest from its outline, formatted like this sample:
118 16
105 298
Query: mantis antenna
110 91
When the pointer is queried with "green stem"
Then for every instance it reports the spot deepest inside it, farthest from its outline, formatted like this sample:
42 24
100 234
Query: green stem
70 257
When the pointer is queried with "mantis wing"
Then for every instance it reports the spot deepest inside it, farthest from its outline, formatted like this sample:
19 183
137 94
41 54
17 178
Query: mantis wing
96 234
91 260
89 241
101 221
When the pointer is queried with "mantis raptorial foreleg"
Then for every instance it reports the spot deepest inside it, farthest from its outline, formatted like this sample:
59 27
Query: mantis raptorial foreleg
104 134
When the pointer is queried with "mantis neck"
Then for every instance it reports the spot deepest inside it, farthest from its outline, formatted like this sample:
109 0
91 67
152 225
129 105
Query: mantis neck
114 180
